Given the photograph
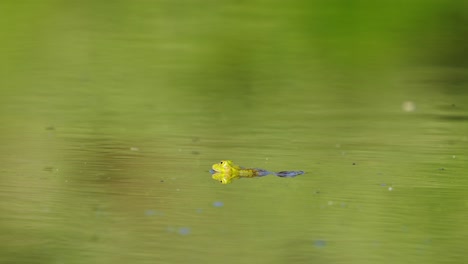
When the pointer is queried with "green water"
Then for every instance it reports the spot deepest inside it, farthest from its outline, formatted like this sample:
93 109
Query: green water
112 114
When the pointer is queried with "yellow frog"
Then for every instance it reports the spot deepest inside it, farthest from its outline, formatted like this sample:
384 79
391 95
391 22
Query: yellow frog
225 171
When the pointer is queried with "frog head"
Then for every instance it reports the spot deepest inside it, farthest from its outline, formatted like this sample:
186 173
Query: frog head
225 171
225 166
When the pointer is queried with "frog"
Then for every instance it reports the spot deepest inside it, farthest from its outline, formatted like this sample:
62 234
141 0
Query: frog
225 171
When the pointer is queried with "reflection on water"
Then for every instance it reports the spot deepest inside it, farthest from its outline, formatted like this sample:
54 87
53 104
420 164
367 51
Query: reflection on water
113 116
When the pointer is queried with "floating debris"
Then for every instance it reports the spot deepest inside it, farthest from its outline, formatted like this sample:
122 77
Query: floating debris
408 106
218 204
151 212
320 243
184 231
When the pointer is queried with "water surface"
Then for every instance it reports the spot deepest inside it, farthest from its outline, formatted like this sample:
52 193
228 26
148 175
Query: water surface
112 116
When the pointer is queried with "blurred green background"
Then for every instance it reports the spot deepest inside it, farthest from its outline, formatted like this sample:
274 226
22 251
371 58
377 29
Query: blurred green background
112 113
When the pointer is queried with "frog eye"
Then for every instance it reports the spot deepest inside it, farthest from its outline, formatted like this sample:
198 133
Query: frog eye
221 162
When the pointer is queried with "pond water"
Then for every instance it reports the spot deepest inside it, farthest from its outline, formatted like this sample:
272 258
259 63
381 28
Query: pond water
112 117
